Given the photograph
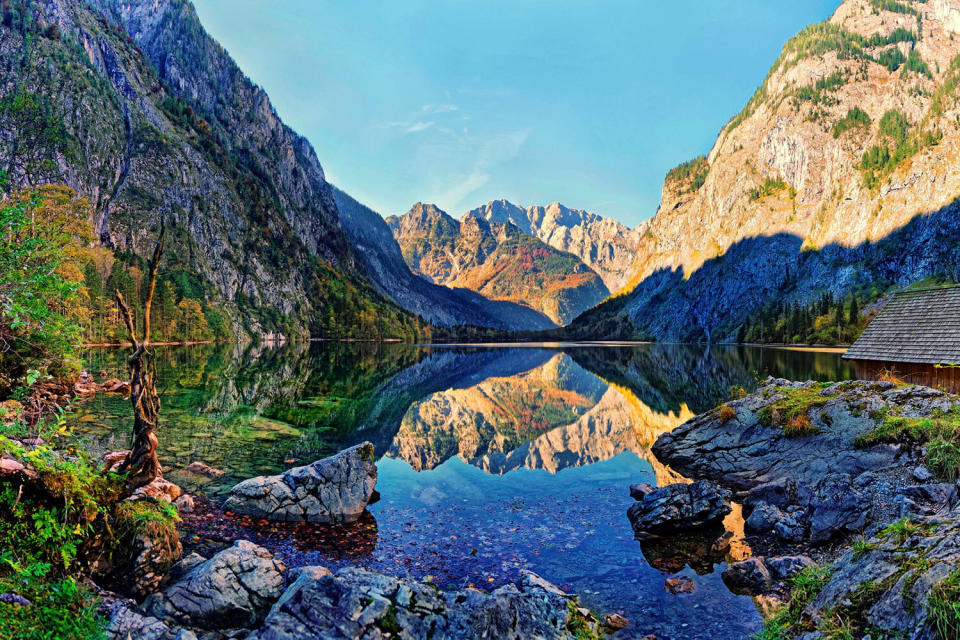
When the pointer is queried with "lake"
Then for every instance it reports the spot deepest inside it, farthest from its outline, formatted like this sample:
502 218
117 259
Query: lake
491 459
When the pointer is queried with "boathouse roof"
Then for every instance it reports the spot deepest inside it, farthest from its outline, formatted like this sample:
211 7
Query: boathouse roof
916 325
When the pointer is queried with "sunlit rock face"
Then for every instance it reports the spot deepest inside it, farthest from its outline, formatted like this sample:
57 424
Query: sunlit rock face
553 417
728 239
498 260
605 245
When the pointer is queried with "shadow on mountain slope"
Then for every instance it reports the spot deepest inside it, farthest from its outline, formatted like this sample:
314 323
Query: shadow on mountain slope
718 298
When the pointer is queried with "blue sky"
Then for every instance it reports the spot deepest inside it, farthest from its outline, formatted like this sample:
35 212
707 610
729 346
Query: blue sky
458 102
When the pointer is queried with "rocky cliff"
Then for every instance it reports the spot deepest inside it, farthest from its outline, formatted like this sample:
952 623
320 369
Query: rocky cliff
150 119
840 173
374 243
603 244
497 260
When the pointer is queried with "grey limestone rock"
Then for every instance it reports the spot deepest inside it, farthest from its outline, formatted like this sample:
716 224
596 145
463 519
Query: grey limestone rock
333 490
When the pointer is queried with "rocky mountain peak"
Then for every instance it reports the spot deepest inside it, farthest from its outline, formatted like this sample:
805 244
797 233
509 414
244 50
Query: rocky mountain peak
846 143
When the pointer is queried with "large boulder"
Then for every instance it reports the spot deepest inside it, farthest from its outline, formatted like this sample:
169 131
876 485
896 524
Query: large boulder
332 490
233 589
358 603
834 506
746 451
679 507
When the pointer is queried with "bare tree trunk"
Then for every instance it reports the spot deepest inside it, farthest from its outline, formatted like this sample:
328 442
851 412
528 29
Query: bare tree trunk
142 464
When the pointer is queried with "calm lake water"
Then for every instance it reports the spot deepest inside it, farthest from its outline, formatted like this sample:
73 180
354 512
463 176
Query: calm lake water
491 459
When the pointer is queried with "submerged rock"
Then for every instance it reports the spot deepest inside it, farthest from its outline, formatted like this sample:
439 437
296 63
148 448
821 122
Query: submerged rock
757 575
332 490
678 507
748 576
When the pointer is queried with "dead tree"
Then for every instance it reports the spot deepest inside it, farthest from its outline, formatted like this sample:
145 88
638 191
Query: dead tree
142 465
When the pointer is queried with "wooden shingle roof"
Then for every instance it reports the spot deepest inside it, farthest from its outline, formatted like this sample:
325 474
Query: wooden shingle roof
919 325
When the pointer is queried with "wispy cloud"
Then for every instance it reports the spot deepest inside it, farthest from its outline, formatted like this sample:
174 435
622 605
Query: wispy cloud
418 126
494 151
439 108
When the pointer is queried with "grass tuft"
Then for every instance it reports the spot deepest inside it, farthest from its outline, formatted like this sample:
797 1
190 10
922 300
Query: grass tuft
944 607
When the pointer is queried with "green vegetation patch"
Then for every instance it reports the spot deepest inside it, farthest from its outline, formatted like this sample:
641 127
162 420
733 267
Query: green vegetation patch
856 118
580 625
786 621
939 433
904 529
792 412
693 171
770 187
818 40
899 142
944 607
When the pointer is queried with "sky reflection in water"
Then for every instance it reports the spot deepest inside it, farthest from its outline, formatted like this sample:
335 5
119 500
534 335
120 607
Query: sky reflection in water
496 460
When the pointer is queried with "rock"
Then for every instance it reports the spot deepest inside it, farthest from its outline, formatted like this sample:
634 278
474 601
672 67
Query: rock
112 460
359 603
333 490
129 624
158 489
746 453
749 576
678 584
146 558
641 490
927 499
15 599
679 507
922 474
898 604
115 386
836 508
233 589
701 549
613 622
202 469
783 567
184 503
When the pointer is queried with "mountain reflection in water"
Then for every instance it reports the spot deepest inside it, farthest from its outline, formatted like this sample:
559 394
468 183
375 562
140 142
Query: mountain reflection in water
493 459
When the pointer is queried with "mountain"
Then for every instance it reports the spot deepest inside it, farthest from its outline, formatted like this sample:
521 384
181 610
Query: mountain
603 244
497 260
839 177
375 245
146 116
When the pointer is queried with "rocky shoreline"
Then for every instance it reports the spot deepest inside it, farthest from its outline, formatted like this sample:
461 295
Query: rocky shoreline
851 474
244 592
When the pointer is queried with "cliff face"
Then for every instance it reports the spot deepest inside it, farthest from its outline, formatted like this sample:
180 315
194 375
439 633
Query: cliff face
603 244
841 172
497 260
375 245
160 124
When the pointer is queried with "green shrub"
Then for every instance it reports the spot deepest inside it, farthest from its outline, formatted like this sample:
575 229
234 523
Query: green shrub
855 118
770 187
892 58
786 619
938 432
695 171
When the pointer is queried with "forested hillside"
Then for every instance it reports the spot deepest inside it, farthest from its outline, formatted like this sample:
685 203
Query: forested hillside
139 111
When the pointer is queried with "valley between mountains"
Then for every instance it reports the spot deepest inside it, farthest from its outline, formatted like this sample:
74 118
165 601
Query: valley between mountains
837 178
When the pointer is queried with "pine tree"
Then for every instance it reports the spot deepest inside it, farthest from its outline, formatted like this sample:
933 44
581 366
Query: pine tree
854 317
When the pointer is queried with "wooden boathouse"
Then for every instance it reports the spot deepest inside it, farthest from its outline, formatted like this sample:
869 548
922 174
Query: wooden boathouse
915 337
